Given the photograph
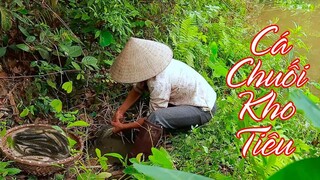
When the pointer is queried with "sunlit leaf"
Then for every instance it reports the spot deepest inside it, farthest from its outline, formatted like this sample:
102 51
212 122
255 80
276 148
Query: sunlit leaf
159 173
219 69
24 113
78 124
214 51
161 157
13 171
299 170
67 86
86 176
72 142
116 155
56 104
3 132
97 34
106 38
206 150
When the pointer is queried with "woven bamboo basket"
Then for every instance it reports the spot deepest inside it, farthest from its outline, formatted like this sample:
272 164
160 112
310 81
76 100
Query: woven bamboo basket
37 167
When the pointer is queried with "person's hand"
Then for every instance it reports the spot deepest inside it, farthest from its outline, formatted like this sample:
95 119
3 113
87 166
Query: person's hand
118 116
117 126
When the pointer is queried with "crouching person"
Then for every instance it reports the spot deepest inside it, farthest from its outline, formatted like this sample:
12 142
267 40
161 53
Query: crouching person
179 96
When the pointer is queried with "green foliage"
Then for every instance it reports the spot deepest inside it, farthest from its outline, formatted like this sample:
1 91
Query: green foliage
93 176
90 62
67 86
6 22
71 44
304 169
7 171
161 158
78 124
105 38
102 160
159 173
310 109
56 104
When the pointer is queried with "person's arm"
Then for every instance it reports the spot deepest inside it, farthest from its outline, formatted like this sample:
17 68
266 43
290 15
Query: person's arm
132 97
118 126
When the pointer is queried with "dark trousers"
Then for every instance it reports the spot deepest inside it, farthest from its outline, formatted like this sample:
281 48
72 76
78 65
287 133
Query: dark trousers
177 117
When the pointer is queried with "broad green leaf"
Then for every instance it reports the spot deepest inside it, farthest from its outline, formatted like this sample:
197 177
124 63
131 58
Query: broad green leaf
31 109
161 158
116 155
72 142
67 86
159 173
106 38
10 141
310 109
74 51
299 170
3 132
98 152
56 104
24 31
148 23
103 175
23 47
13 171
103 163
3 51
130 170
59 177
219 69
86 176
80 76
205 148
78 124
43 35
313 98
220 176
139 157
90 61
5 19
214 51
30 39
97 34
108 62
44 54
76 65
4 164
51 84
24 113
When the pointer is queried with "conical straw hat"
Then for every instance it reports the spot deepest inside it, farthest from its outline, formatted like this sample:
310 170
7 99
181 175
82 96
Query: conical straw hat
140 60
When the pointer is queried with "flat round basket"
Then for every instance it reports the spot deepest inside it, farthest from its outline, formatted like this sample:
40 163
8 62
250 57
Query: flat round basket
37 167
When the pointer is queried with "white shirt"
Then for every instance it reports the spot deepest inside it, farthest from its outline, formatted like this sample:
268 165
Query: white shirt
178 84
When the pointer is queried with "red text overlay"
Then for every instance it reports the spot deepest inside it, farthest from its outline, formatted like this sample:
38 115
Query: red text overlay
294 76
